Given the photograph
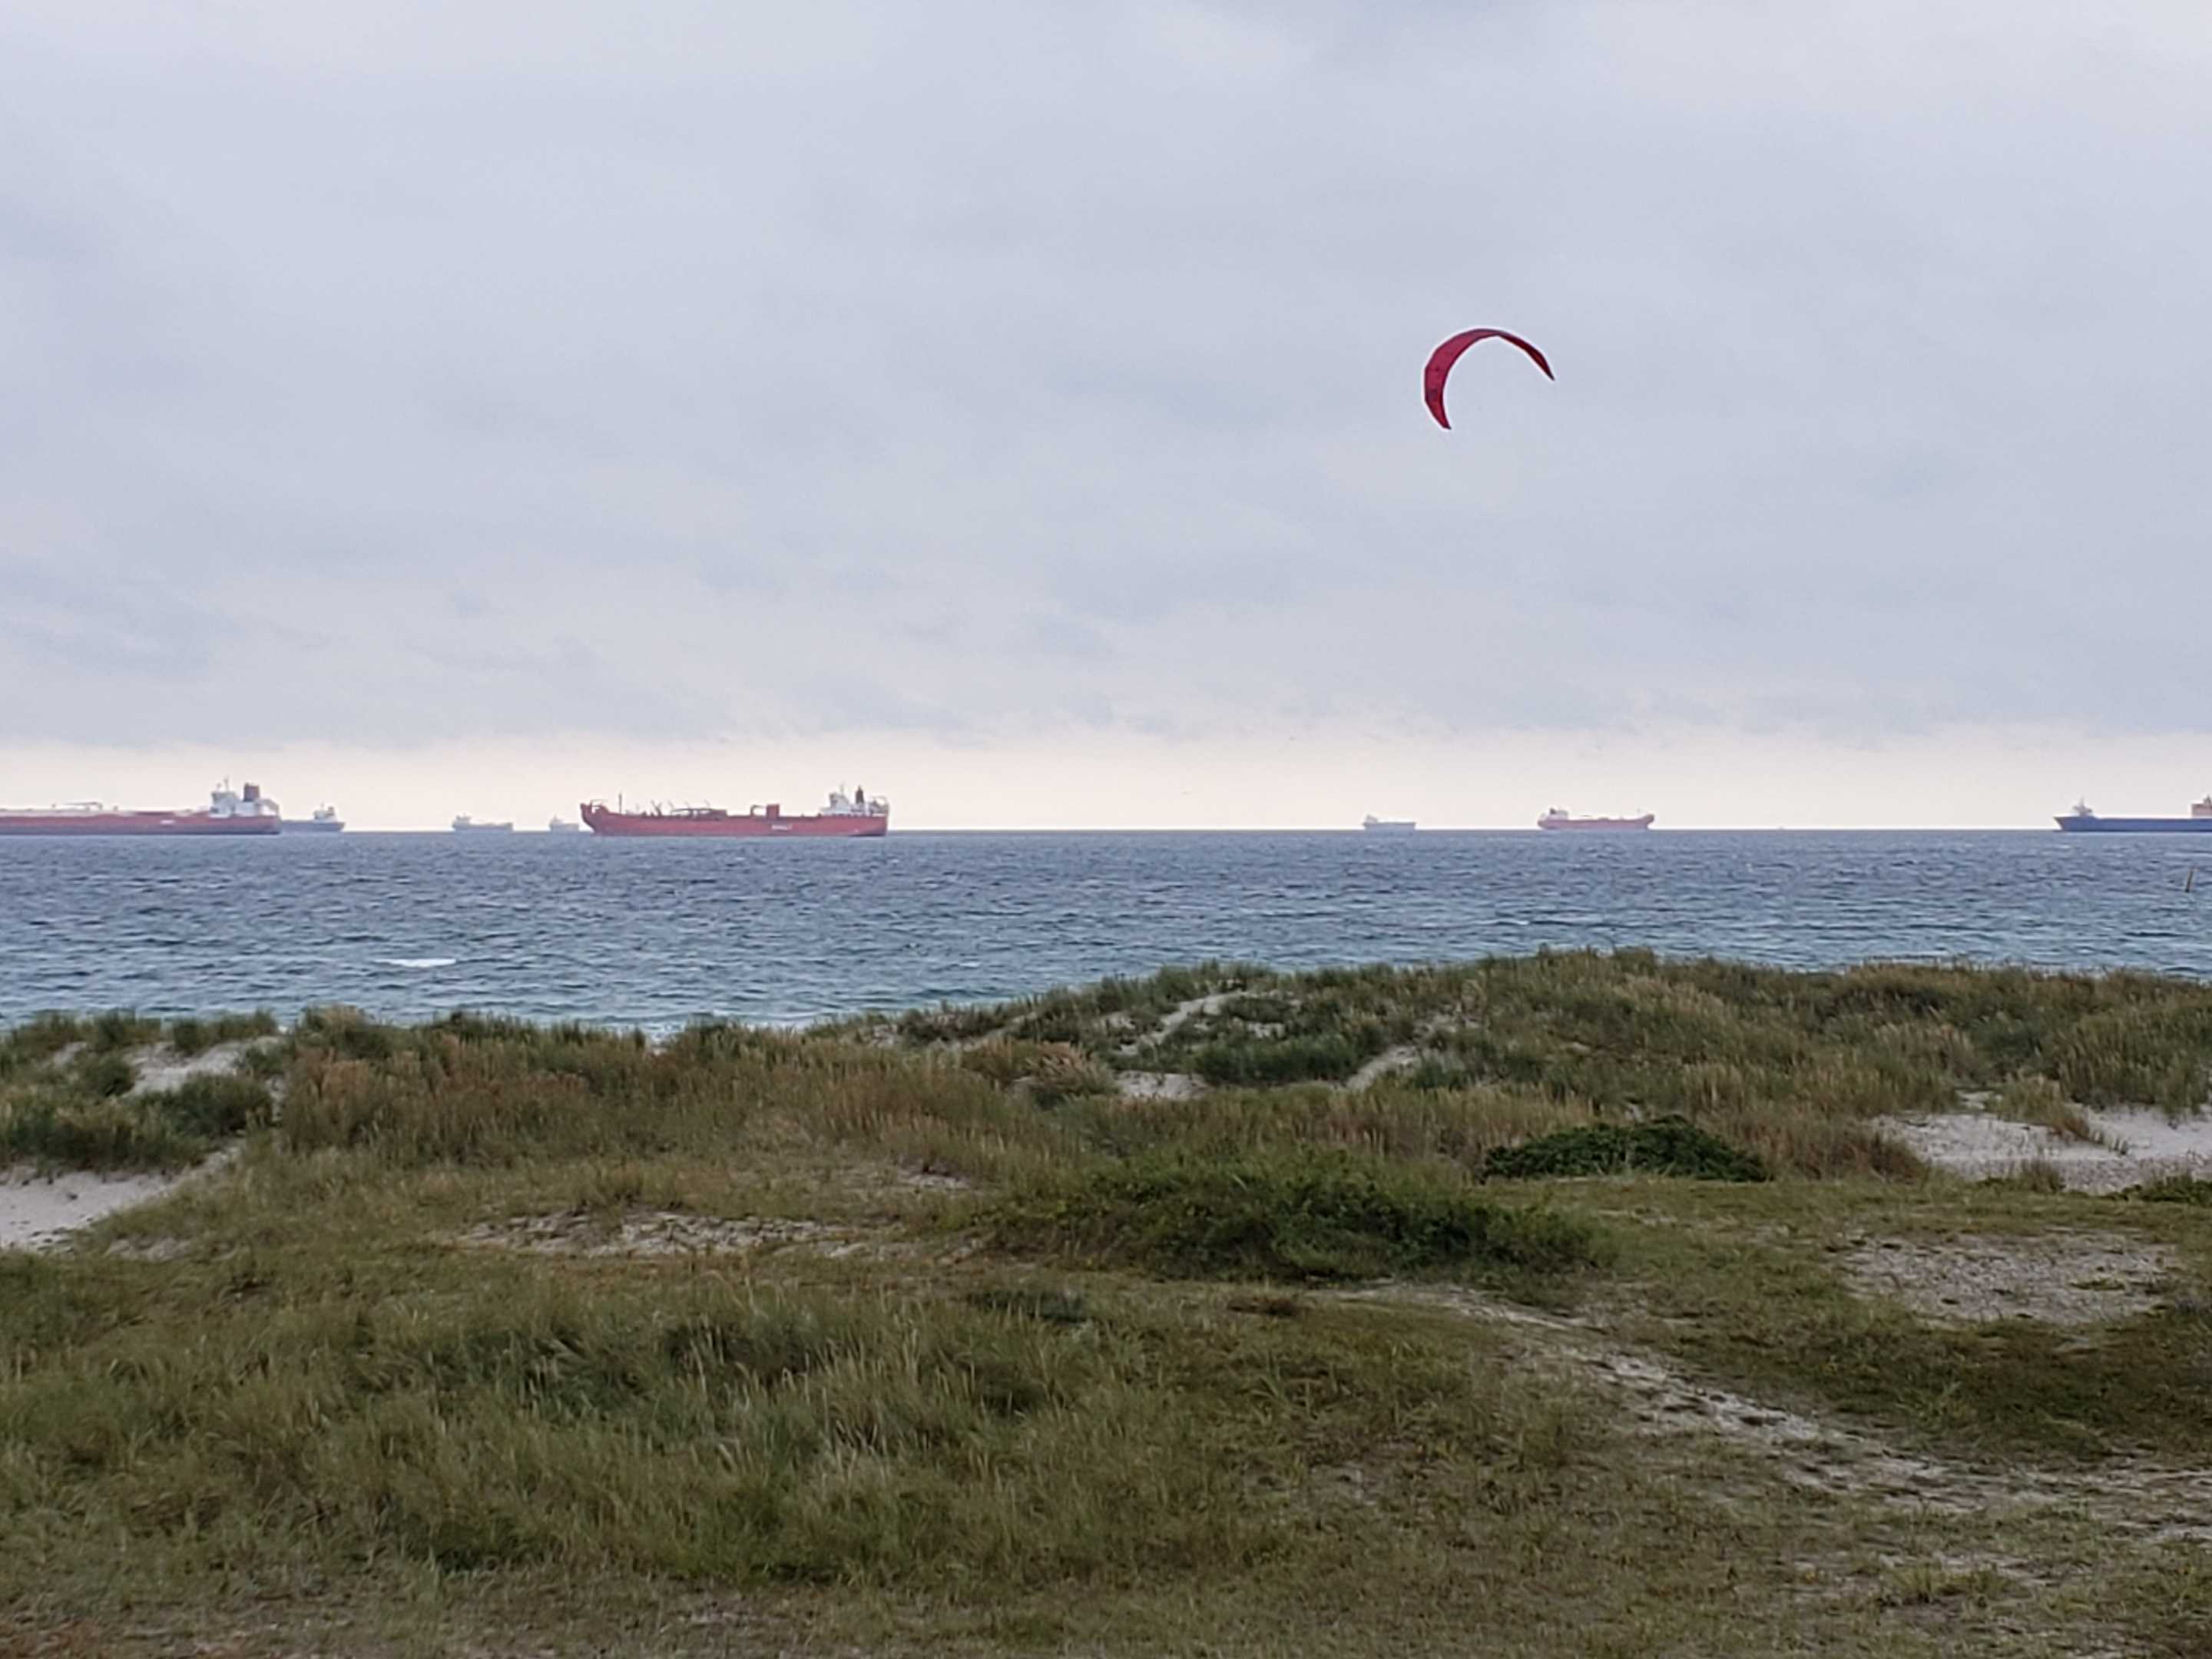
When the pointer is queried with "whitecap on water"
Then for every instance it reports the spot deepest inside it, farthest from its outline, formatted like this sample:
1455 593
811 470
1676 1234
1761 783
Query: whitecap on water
417 962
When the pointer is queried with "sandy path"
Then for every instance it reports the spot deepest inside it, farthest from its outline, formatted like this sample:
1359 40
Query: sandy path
1664 1400
41 1214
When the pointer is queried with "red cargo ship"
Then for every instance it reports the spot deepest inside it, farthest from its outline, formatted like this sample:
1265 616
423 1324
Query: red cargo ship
227 813
1555 819
845 816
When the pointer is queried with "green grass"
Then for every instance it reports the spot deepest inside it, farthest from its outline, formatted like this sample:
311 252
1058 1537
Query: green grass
2176 1189
1631 1029
712 1430
1037 1368
72 1094
195 1036
2041 1101
1302 1214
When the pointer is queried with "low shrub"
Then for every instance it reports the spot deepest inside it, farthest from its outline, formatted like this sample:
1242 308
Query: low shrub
1666 1146
1296 1214
213 1106
2175 1189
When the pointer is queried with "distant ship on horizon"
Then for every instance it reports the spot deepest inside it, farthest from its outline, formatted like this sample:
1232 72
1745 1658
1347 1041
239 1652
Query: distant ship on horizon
845 816
466 825
1555 819
323 821
560 826
1375 826
227 813
2083 820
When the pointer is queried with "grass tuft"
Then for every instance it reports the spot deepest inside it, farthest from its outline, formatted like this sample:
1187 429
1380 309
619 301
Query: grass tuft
2175 1189
1298 1214
1666 1146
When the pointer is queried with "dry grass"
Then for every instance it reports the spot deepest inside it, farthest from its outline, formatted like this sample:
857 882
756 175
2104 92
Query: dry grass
294 1410
2040 1101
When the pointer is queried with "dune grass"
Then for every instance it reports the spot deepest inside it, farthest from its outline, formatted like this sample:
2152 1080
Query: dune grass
1300 1214
76 1093
1028 1367
1666 1146
1793 1068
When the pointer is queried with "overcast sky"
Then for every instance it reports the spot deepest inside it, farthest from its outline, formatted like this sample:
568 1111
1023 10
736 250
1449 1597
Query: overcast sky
1015 408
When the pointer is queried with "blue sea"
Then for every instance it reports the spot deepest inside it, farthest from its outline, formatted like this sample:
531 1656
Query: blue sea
656 933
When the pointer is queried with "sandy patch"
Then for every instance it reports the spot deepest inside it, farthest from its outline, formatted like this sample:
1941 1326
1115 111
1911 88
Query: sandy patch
1183 1012
41 1213
2143 1146
933 1181
38 1212
1661 1400
1159 1085
161 1067
652 1233
167 1248
1399 1059
2062 1278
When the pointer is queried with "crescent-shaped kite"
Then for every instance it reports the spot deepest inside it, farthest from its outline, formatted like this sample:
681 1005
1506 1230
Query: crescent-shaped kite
1442 359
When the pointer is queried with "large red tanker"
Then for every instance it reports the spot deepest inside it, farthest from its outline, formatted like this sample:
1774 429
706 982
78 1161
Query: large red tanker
226 814
845 816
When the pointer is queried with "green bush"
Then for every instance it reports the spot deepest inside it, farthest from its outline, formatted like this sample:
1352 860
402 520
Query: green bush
213 1107
2176 1189
1263 1060
1299 1213
104 1074
1666 1146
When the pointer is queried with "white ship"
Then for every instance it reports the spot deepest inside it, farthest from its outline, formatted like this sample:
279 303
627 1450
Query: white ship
466 825
1375 826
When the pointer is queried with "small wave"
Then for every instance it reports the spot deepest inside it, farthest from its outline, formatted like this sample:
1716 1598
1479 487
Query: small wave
418 961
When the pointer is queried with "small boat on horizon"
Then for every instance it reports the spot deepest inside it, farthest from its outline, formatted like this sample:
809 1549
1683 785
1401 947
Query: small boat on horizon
323 821
1375 826
1555 819
560 826
468 826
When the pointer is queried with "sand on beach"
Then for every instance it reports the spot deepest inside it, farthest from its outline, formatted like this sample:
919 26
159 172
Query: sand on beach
2137 1145
40 1212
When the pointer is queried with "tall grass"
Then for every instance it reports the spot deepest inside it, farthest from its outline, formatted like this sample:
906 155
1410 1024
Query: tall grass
1299 1214
710 1430
52 1127
495 1095
1631 1027
1792 1068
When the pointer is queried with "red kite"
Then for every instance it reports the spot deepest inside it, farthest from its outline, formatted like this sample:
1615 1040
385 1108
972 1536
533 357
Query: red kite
1442 359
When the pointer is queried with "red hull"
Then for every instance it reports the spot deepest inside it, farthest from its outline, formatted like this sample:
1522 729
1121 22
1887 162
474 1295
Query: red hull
134 824
713 821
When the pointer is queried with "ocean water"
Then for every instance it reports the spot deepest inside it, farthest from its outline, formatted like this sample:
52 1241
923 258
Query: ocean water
655 933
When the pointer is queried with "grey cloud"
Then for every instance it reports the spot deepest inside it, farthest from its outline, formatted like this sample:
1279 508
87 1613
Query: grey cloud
513 370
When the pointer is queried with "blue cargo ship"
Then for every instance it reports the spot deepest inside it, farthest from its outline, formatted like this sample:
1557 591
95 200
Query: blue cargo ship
2083 821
